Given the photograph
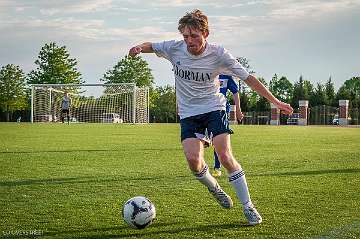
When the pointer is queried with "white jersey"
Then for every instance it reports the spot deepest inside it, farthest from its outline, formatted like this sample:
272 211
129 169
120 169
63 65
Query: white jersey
196 77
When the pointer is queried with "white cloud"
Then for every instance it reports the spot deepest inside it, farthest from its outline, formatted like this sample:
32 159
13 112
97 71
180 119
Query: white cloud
301 9
281 18
190 3
19 9
129 10
49 8
254 28
49 12
6 3
86 29
177 3
90 6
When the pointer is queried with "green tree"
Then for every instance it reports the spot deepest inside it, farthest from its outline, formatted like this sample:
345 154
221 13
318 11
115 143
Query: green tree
255 101
318 96
246 94
298 93
281 88
302 91
330 93
350 90
163 104
154 95
244 100
130 70
13 94
54 66
262 103
308 89
245 63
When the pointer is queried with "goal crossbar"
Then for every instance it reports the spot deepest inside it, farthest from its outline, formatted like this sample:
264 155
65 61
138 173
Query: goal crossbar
71 85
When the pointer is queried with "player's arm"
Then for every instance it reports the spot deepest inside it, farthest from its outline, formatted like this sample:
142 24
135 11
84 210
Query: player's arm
257 86
238 113
145 47
233 86
229 62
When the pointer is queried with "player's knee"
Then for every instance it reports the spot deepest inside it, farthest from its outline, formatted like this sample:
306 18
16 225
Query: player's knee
194 162
192 158
224 156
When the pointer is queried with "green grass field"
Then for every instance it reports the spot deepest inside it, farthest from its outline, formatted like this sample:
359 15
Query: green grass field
70 181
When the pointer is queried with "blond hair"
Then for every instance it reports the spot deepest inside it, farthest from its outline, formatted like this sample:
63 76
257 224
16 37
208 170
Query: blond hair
196 20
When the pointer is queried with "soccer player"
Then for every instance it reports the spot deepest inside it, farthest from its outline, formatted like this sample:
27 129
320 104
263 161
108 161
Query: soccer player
65 107
227 83
196 66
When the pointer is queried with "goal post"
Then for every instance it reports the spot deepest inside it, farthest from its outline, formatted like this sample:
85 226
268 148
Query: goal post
91 103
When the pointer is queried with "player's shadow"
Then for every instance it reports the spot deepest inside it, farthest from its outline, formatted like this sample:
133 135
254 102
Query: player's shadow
157 230
311 172
90 150
48 181
85 180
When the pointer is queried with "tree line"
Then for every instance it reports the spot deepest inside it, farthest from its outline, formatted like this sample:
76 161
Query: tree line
55 66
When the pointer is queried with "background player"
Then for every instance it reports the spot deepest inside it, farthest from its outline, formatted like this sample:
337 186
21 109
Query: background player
65 107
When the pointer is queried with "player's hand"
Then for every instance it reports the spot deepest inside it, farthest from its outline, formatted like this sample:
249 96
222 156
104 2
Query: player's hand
286 108
239 117
136 50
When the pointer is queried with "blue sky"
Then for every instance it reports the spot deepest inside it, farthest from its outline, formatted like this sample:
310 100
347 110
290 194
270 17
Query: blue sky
316 39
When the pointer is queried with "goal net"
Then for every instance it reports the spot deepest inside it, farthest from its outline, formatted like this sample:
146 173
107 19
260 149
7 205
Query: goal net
92 103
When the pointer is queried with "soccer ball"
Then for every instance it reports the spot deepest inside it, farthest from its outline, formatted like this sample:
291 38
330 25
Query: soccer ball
139 212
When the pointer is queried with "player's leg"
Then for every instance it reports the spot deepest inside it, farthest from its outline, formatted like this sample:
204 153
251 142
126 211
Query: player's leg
236 174
62 116
194 153
219 127
236 177
194 150
68 116
217 165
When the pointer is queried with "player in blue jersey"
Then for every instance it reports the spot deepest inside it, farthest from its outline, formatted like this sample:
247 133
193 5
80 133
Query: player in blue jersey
227 83
196 67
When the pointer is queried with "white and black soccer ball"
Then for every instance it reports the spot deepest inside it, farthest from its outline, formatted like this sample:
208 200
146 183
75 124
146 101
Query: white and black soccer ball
139 212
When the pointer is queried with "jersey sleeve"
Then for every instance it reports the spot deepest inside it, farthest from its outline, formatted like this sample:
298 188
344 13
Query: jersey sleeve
163 49
233 85
232 67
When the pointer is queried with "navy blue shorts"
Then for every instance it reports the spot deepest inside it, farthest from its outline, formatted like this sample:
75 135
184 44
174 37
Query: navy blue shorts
216 123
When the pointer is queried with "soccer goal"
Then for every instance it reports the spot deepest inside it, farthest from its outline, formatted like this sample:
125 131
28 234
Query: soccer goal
90 103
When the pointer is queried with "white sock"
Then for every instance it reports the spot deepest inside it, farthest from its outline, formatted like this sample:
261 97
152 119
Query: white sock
206 178
238 180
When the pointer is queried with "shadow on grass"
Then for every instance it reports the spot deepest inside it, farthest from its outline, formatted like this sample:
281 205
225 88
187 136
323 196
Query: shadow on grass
311 172
157 230
90 150
78 180
51 181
